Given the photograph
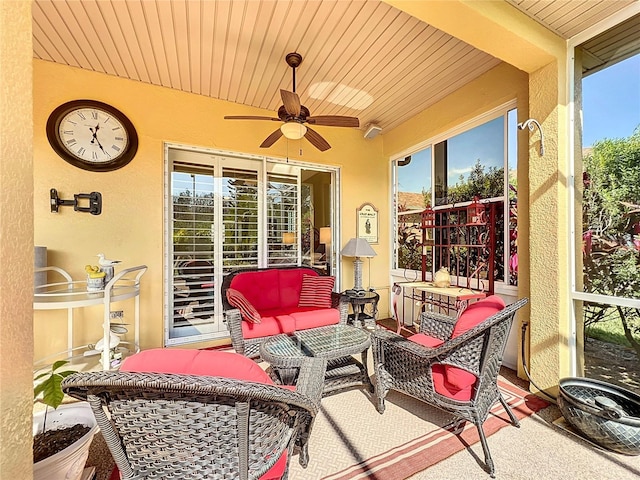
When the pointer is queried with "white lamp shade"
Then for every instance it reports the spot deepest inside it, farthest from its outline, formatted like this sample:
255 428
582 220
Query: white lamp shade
288 238
293 130
357 247
325 235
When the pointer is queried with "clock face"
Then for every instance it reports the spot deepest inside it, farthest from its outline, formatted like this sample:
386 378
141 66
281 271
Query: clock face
92 135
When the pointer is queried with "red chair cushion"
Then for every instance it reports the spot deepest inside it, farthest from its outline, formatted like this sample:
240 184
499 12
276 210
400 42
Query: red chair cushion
425 340
211 363
476 313
444 387
316 291
203 362
238 300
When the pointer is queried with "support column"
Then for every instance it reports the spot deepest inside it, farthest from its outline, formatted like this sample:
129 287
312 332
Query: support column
550 325
16 240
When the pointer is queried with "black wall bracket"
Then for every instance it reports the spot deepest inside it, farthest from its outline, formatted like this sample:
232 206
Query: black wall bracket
93 204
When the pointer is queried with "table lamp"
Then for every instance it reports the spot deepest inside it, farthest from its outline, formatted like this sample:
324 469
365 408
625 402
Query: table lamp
357 247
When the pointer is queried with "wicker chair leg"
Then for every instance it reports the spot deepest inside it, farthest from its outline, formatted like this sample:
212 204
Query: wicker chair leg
514 420
303 457
487 454
380 391
457 426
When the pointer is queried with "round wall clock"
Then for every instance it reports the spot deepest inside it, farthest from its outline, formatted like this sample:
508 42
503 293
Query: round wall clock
92 135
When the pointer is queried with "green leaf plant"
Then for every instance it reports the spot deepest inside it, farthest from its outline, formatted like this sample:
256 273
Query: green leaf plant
48 389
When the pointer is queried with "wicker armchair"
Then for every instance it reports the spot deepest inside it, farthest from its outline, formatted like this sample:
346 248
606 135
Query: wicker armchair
174 426
420 371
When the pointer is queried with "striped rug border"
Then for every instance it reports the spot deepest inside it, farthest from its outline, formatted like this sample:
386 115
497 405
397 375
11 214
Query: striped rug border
424 451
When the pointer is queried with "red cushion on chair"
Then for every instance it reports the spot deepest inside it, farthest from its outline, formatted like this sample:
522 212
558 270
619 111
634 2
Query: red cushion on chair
444 387
316 291
425 340
476 313
274 473
203 362
457 379
196 362
238 300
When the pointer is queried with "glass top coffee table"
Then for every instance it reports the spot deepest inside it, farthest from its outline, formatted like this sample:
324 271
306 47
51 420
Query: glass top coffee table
336 343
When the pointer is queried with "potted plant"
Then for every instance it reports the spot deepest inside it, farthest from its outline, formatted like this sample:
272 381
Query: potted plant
62 436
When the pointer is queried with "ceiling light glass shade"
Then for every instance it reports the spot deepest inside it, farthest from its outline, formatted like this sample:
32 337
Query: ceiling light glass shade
293 130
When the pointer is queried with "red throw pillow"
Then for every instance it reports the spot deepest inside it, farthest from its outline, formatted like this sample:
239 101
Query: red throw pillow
238 300
316 291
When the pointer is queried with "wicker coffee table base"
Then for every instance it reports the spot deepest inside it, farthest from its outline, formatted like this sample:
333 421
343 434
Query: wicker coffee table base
342 373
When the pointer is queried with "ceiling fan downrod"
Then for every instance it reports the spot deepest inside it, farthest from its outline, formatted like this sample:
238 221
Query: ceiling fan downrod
294 60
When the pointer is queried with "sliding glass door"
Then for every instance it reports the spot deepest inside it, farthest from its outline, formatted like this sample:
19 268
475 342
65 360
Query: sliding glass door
226 212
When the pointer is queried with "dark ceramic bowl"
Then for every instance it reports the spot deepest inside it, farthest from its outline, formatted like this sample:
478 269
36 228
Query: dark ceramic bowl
606 414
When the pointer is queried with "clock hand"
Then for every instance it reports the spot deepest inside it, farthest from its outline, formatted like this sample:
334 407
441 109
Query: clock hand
95 137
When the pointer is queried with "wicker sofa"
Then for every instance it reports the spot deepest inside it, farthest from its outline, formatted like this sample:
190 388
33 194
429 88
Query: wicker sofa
275 293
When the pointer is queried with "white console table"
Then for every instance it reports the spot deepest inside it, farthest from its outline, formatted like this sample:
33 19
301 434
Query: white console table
72 294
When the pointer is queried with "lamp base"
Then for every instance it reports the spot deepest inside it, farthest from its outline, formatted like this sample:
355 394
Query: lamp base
357 273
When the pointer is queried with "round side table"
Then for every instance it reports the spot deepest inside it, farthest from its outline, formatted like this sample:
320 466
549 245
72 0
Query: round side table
358 301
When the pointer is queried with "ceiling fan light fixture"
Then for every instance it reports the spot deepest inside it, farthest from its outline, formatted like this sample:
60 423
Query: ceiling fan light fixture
293 130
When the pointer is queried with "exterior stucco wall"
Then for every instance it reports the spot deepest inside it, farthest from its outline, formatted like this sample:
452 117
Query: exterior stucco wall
130 227
550 329
16 241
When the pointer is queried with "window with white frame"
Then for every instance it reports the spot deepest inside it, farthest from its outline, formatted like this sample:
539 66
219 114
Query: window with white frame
478 159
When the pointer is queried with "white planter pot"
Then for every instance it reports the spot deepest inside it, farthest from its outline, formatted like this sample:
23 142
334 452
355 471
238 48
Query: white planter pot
67 464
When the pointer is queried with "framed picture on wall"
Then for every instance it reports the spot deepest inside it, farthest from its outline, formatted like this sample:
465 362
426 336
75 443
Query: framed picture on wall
367 222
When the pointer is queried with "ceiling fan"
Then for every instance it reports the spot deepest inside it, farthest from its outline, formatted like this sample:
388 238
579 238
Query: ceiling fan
295 116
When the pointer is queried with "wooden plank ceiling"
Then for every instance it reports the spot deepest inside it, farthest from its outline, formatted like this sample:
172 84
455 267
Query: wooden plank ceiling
360 58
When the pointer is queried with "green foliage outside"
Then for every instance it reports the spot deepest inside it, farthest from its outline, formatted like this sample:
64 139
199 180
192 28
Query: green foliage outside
611 238
480 184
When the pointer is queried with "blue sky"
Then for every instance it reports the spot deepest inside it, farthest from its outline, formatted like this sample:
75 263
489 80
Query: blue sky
611 109
611 102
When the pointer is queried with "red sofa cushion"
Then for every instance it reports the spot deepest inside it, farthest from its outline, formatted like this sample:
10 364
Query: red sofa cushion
204 362
290 285
247 310
315 317
316 291
260 288
270 324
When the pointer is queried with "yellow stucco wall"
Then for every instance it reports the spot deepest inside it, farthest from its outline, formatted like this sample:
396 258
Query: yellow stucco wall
16 232
130 227
549 236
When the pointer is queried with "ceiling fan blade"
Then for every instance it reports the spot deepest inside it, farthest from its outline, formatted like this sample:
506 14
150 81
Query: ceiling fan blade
271 139
316 140
250 117
291 102
334 121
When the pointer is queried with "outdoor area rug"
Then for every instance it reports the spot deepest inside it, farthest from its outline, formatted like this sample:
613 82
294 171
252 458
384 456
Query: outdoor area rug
351 440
